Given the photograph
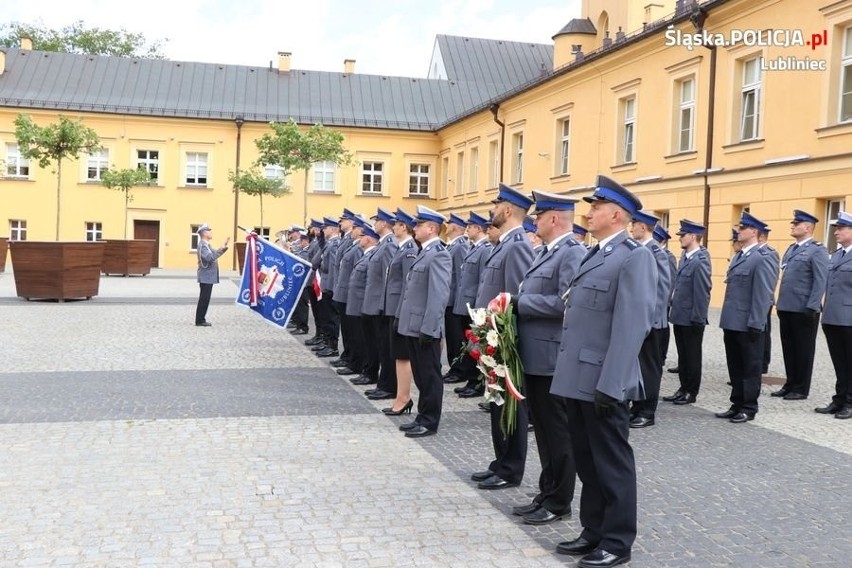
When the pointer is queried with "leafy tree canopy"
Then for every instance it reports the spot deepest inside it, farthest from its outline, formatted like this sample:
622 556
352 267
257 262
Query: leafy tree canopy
54 142
78 38
292 148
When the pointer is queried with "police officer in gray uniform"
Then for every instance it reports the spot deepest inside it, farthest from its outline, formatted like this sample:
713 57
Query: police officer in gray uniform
763 242
421 320
804 273
457 246
349 328
750 290
347 239
208 271
608 312
367 342
688 316
837 318
539 309
504 270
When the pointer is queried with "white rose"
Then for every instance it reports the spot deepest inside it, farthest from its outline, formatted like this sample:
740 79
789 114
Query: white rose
492 338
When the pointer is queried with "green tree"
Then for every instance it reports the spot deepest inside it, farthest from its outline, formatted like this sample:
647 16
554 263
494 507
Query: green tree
123 180
253 182
54 143
77 38
294 149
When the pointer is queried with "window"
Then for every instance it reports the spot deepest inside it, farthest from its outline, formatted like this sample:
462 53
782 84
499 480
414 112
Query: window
262 232
193 239
17 230
97 163
518 155
149 160
564 145
94 231
371 177
418 179
445 180
832 208
459 173
196 169
628 130
474 170
750 101
274 171
664 219
686 115
324 176
16 165
494 162
846 78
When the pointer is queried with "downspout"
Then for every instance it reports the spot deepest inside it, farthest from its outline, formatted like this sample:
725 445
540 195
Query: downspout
239 121
698 17
495 108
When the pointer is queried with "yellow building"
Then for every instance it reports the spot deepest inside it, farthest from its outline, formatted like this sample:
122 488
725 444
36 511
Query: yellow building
703 109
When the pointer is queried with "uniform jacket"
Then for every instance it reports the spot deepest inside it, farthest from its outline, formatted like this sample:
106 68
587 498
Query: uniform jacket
776 259
208 263
374 299
692 284
540 305
427 288
346 243
315 253
751 281
664 285
343 278
467 283
608 314
672 269
804 273
458 250
505 268
400 264
838 291
357 288
328 265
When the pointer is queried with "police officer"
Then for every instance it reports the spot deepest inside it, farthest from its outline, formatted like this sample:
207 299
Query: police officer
315 258
837 318
580 233
532 234
341 285
505 268
330 332
457 246
539 311
750 280
763 242
688 315
608 313
364 340
421 320
663 237
804 273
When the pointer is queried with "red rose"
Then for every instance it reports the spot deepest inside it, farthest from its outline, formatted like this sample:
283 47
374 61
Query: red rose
474 338
492 374
475 354
490 350
468 334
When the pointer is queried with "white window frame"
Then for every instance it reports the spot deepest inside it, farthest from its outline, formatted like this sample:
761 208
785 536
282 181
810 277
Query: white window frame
751 91
373 177
445 176
628 130
17 166
197 163
564 146
94 231
832 208
324 176
518 157
149 163
262 232
274 171
686 116
97 163
494 162
419 179
844 107
459 179
474 170
17 229
194 237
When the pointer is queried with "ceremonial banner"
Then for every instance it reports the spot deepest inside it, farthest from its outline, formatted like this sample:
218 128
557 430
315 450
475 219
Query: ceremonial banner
273 280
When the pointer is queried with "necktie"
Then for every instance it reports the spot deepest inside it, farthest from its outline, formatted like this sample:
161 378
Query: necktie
592 253
842 254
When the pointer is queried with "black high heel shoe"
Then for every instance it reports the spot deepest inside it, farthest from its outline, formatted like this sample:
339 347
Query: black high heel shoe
405 409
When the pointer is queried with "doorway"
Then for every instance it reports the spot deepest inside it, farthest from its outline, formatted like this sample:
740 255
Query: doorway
149 230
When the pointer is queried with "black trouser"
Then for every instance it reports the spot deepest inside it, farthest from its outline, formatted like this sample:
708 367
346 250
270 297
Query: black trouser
426 368
370 345
300 310
558 473
319 324
743 352
330 317
454 327
798 344
344 327
689 340
464 367
651 366
354 341
204 292
767 343
839 339
606 466
387 371
510 451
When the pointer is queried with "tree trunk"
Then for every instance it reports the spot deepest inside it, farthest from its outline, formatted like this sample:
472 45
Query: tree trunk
58 188
305 200
261 213
126 200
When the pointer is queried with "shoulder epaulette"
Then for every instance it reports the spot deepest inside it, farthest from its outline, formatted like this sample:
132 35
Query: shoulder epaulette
630 243
572 242
440 247
765 250
518 237
655 247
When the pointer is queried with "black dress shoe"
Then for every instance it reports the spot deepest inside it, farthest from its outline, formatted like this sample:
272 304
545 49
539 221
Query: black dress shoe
346 371
495 482
484 406
471 393
673 369
795 396
780 392
522 510
451 379
482 475
204 324
316 340
368 392
319 347
844 414
381 395
300 331
328 352
741 417
541 517
730 413
575 547
338 363
457 390
641 422
687 398
673 397
362 380
600 558
409 426
832 408
419 432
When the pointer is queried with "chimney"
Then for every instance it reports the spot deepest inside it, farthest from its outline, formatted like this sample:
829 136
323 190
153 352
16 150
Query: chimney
26 43
349 66
284 61
2 62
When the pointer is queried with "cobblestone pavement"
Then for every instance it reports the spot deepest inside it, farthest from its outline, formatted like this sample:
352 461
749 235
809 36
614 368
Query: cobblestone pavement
129 437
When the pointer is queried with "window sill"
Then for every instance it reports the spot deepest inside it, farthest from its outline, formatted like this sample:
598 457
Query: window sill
681 157
323 192
839 129
625 167
416 196
561 178
744 146
373 195
196 187
16 178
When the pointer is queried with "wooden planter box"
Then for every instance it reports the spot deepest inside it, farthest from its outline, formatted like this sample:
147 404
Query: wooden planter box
128 257
57 270
241 254
4 246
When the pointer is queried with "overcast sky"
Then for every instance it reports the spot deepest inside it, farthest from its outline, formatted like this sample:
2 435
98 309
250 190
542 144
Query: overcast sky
385 37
